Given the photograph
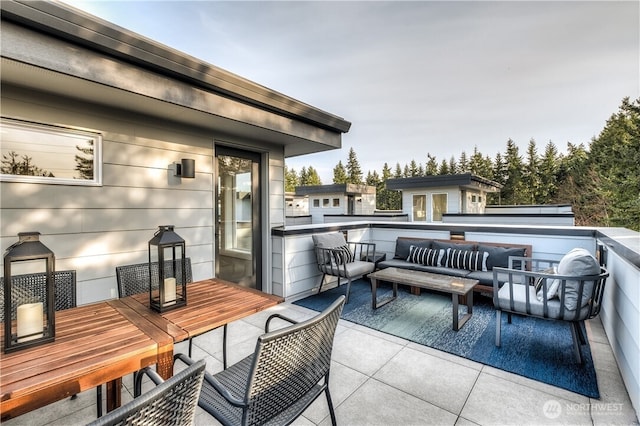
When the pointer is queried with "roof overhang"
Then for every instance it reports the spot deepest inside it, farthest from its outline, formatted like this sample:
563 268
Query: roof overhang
54 48
464 181
344 188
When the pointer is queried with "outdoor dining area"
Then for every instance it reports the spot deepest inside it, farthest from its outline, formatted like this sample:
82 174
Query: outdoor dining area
51 373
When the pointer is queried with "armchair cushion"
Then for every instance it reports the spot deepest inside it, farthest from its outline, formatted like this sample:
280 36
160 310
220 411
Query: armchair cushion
536 307
578 262
348 270
330 240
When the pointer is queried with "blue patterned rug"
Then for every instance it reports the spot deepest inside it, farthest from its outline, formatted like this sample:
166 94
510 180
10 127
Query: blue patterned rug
534 348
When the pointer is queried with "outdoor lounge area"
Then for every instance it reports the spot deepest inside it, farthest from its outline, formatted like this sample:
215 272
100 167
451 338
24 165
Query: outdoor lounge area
170 142
381 380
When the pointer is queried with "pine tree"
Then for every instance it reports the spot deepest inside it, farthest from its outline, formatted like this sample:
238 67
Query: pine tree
354 172
413 169
432 166
463 163
444 168
548 171
339 174
453 167
398 171
513 191
531 176
291 179
312 177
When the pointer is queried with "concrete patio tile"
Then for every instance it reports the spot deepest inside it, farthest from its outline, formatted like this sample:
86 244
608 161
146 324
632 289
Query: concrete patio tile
465 422
84 404
343 383
376 403
595 331
362 351
614 406
534 384
440 382
497 401
379 334
446 356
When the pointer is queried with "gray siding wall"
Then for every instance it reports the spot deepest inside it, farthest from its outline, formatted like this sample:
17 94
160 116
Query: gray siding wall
95 229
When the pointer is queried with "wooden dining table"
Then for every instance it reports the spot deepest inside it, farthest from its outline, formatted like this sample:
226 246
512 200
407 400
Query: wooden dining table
94 344
211 303
101 342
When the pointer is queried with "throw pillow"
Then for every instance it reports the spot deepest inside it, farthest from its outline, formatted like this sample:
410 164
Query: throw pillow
424 256
466 259
444 246
578 262
343 254
403 245
499 256
552 285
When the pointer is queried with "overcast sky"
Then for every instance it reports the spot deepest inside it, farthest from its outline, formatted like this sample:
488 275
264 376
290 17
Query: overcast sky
416 77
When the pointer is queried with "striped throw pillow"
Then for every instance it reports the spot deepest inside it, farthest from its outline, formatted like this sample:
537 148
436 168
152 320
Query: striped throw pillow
343 254
423 256
465 259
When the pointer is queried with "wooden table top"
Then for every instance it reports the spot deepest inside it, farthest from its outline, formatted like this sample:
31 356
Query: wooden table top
211 303
439 282
94 344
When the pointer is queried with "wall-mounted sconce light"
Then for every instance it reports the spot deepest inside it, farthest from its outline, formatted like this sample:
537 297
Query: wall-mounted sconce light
186 168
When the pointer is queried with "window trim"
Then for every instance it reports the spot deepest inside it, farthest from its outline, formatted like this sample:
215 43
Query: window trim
61 131
446 206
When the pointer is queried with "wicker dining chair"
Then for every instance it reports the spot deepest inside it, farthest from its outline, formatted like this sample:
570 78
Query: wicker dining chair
288 370
134 279
170 403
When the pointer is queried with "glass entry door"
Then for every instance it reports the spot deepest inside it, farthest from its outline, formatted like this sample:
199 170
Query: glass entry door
238 231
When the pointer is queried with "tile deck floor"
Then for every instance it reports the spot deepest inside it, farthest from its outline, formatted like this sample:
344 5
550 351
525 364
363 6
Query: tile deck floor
378 379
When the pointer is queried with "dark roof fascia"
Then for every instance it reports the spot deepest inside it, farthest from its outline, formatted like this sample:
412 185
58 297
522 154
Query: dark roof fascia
343 188
438 180
81 28
509 214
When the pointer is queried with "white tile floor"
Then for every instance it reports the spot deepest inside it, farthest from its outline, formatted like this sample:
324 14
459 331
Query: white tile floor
378 379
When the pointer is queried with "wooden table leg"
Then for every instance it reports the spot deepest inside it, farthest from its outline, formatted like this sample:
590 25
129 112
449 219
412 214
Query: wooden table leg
114 396
459 322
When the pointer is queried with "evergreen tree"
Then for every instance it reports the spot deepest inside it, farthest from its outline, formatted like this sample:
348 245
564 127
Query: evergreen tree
387 199
432 166
398 171
312 177
354 172
291 179
615 157
513 191
406 171
463 163
548 172
453 167
444 168
340 174
531 176
413 169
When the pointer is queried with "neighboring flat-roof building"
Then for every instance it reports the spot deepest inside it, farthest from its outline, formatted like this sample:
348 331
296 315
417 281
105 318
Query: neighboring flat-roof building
338 199
428 198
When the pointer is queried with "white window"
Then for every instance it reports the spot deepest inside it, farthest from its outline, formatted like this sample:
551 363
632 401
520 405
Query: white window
336 202
419 208
316 202
42 153
325 202
438 206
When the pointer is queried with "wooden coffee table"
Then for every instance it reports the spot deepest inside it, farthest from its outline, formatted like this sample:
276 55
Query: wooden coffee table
447 284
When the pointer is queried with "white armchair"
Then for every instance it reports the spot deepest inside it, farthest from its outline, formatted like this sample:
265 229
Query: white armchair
567 290
339 258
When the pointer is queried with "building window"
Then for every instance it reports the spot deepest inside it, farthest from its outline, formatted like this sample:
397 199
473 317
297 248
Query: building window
419 208
325 202
438 206
473 198
316 202
41 153
336 202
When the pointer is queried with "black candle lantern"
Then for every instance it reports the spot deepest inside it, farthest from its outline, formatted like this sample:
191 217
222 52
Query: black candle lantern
167 270
29 293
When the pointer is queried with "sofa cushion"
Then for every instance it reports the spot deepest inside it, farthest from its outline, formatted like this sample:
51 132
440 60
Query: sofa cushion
330 240
578 262
486 277
403 246
441 245
467 259
424 256
403 264
499 256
